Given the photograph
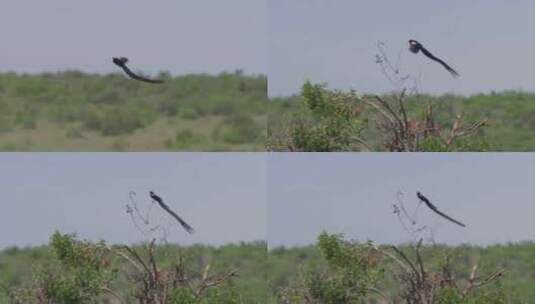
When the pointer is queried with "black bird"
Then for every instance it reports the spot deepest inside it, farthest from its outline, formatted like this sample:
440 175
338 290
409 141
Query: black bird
121 62
415 47
434 208
159 200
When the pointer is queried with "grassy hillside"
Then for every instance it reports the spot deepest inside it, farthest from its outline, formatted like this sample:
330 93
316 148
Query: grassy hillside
73 111
510 119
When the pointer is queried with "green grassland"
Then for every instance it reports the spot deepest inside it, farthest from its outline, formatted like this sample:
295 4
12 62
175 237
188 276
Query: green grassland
510 118
73 111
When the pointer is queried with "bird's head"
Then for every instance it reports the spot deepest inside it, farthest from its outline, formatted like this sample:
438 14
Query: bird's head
151 193
414 46
120 60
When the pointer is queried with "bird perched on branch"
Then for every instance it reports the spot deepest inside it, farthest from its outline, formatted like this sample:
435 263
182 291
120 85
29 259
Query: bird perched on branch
121 62
415 47
159 200
435 209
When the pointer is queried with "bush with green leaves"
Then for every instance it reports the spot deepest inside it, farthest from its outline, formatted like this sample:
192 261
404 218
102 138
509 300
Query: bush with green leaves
239 129
495 295
354 271
86 272
330 120
358 273
82 276
118 121
185 139
326 121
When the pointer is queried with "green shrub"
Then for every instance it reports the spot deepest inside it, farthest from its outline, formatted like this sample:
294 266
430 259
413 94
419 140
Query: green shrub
108 97
29 122
169 106
74 132
325 121
117 122
64 113
120 144
5 124
189 113
91 119
31 87
358 272
83 275
185 139
182 296
239 129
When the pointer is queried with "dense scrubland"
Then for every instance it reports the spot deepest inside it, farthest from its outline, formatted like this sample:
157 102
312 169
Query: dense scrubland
73 111
69 270
334 270
320 119
339 270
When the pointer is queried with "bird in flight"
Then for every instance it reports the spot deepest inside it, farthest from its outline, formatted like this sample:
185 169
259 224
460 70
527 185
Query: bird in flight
415 47
435 209
121 62
159 200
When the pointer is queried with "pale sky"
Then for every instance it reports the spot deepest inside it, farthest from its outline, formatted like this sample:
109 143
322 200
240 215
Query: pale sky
286 198
489 42
179 36
353 193
221 195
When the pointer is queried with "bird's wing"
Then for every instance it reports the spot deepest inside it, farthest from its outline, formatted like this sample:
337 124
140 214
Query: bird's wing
185 225
137 77
445 65
435 209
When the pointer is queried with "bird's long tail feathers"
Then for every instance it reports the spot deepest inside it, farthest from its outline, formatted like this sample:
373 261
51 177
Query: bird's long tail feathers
435 209
444 64
450 69
137 77
185 225
449 218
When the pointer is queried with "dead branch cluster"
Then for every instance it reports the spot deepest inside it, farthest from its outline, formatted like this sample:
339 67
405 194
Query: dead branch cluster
407 134
156 283
420 285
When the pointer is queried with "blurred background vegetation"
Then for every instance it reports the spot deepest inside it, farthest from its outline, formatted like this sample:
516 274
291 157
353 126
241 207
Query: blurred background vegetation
73 111
294 122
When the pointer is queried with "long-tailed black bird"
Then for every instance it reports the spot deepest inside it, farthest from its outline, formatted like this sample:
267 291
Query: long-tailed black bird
121 62
415 47
159 200
435 209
